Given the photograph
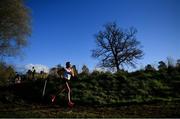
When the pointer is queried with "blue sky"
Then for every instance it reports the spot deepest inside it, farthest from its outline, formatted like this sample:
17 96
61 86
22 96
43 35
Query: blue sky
63 30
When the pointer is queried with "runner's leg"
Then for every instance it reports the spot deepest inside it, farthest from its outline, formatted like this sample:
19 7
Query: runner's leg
69 92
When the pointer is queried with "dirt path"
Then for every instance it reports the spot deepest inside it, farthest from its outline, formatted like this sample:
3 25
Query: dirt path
153 110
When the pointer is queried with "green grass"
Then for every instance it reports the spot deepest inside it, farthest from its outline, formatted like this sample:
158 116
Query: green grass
160 109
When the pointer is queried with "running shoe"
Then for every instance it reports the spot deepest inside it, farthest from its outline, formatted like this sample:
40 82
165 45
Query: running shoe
70 104
53 98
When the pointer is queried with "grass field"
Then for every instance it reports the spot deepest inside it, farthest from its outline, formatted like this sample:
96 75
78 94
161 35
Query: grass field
160 109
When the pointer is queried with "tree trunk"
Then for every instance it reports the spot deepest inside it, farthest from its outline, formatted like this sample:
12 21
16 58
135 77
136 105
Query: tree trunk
117 67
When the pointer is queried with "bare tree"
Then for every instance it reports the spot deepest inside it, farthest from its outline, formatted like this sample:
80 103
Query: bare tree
14 26
85 69
178 63
149 68
170 62
162 65
117 47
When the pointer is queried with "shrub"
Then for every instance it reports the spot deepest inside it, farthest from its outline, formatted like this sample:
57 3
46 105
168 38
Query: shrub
7 74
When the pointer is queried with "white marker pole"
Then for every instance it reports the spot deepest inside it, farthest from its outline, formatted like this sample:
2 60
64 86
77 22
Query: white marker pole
44 88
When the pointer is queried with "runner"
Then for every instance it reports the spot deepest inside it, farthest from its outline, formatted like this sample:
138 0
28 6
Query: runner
68 73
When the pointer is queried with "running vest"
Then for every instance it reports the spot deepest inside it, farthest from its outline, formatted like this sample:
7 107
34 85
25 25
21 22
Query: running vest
67 74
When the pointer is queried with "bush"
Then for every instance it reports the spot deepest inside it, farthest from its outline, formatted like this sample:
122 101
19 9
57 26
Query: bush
7 74
97 88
